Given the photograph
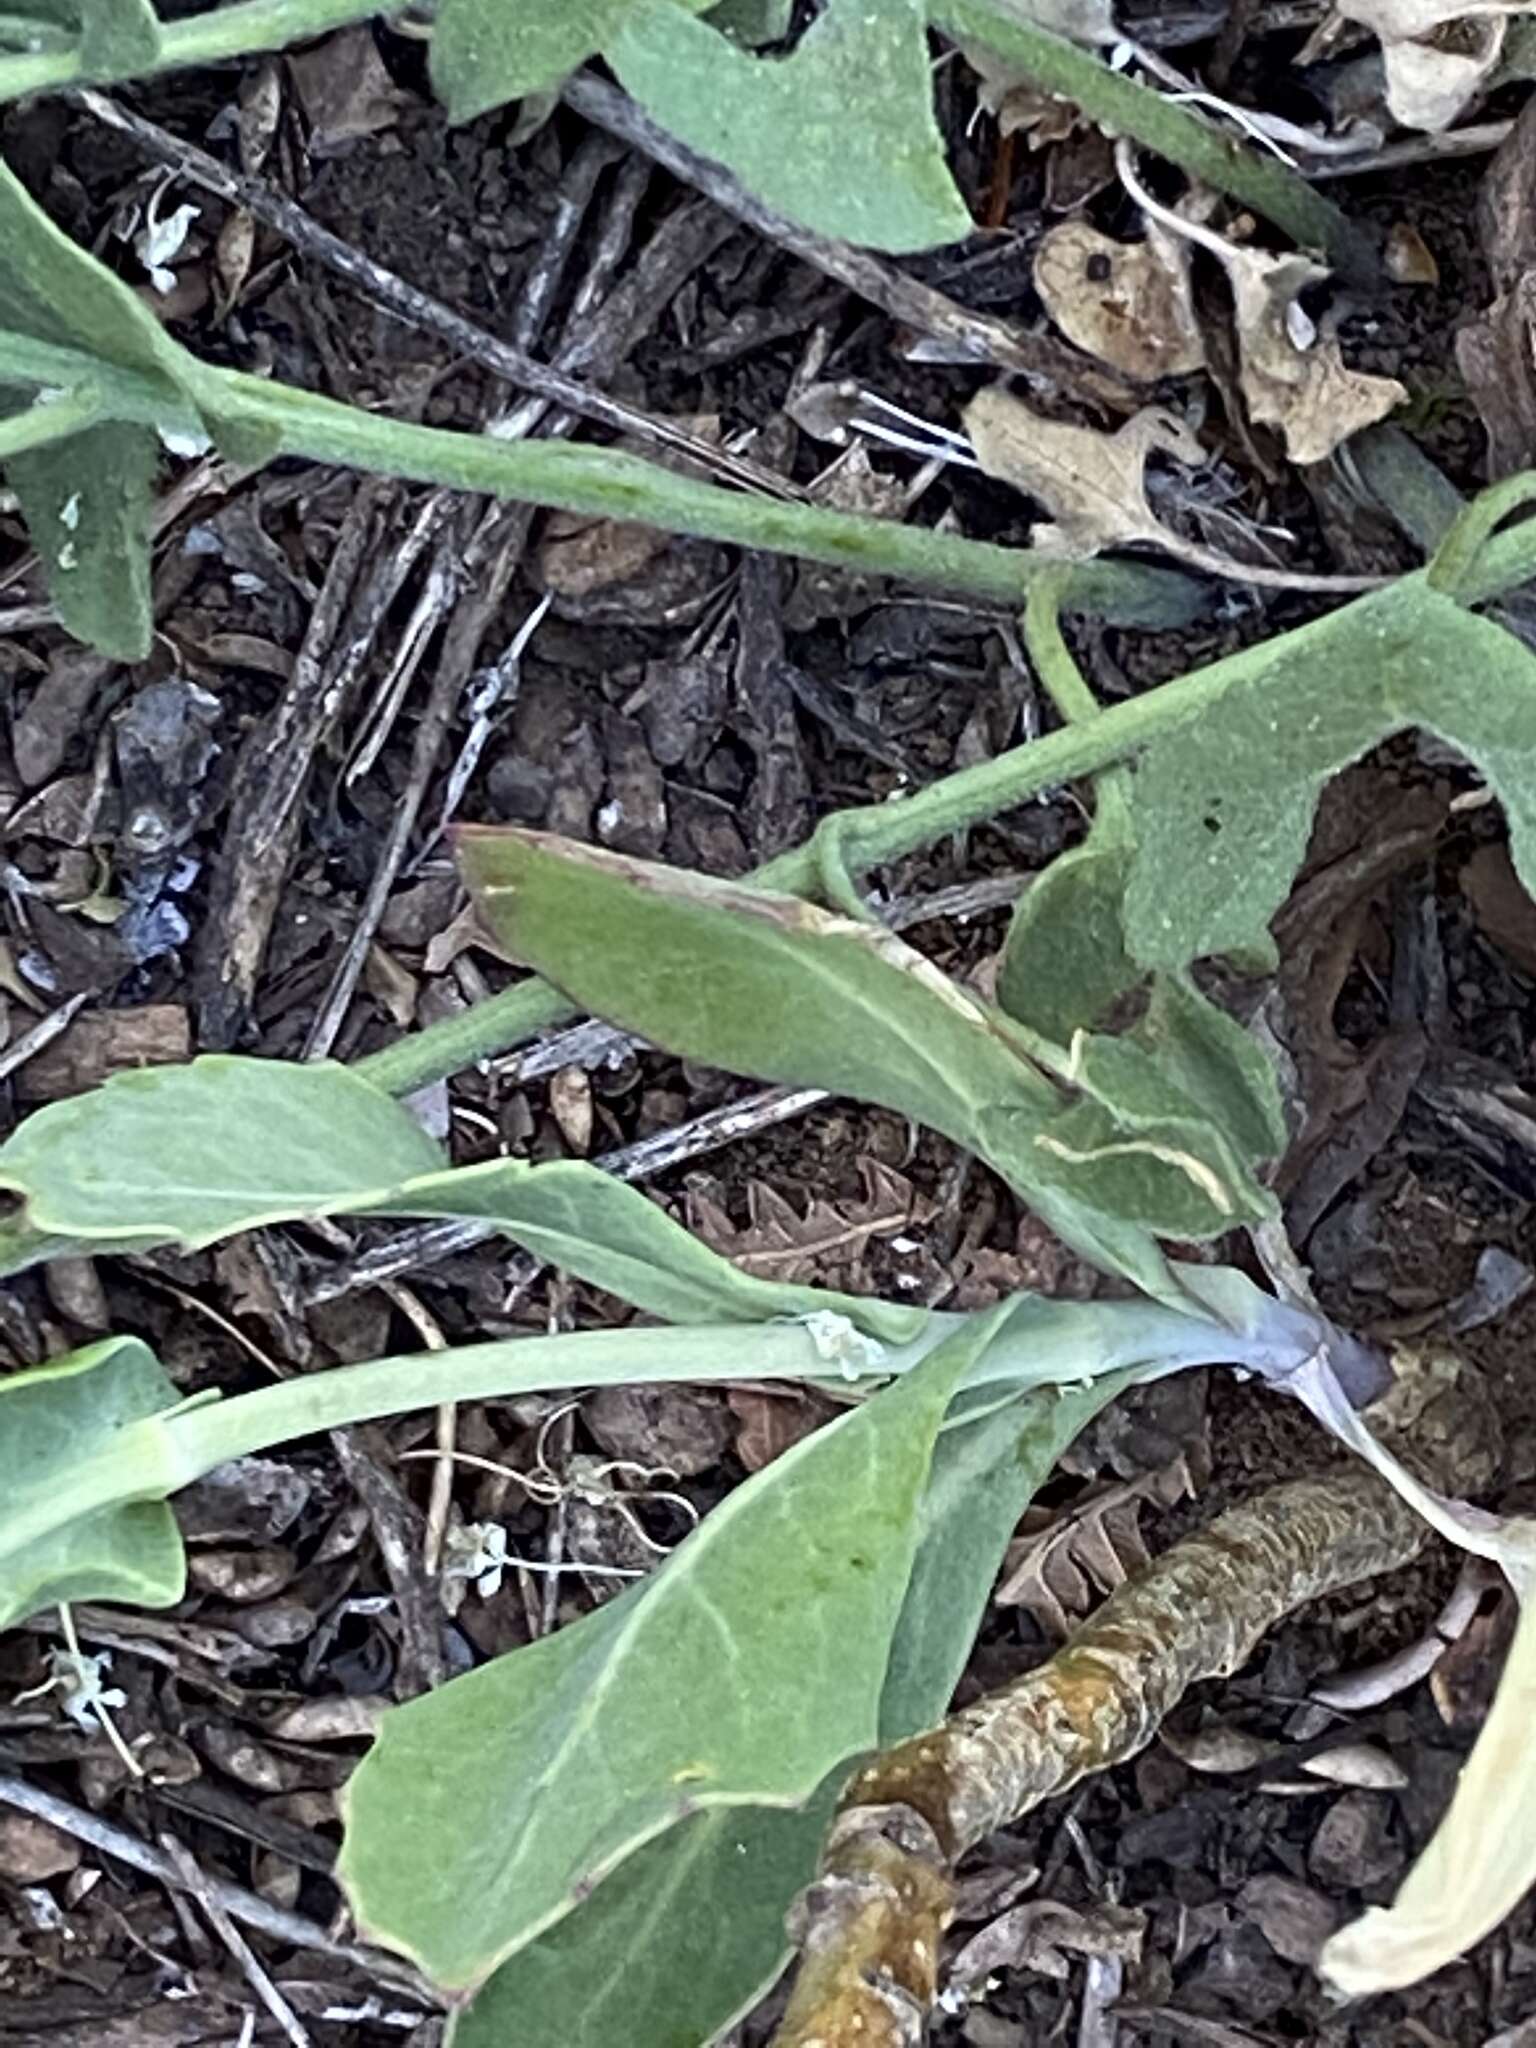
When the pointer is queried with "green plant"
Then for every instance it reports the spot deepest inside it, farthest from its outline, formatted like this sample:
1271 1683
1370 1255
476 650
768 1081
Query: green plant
662 1771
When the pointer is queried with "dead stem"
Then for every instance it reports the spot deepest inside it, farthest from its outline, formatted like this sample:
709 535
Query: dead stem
871 1925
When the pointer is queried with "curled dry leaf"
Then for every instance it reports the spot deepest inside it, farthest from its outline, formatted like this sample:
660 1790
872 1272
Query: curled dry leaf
1093 484
780 1244
1438 54
1055 1568
1015 101
1128 303
1305 391
1017 106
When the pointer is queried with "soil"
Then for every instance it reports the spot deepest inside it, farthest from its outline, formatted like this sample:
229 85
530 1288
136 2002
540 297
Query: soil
681 703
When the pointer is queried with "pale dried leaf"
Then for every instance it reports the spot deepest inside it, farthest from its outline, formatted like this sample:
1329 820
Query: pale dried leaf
1480 1861
1359 1764
1438 54
1039 1935
1219 1749
1307 392
1128 303
1093 484
778 1243
1057 1569
1017 106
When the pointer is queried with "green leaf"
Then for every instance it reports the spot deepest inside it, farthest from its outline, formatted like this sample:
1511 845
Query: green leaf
984 1475
740 1673
118 38
87 502
690 1931
1224 802
771 986
741 978
753 21
681 1939
783 124
191 1154
1065 960
54 1419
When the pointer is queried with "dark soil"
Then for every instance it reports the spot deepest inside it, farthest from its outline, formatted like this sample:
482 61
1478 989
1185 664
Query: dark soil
677 702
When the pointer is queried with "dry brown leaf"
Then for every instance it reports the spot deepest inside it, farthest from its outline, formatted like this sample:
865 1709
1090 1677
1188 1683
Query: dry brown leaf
770 1422
1505 914
1128 303
1039 1934
579 554
1056 1569
1408 258
100 1043
1438 54
780 1244
1014 102
1305 391
1093 484
345 90
1018 107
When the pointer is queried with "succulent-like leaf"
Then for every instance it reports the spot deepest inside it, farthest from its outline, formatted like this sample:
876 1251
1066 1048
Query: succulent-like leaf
1224 800
781 123
739 1674
53 1420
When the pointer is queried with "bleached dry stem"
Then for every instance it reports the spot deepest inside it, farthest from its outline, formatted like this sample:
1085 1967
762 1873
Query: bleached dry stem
871 1925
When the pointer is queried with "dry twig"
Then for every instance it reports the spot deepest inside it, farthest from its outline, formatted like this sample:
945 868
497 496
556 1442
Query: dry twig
872 1923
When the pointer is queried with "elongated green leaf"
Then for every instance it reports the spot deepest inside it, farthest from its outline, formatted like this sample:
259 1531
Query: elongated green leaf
52 1421
584 1220
87 502
740 1673
61 1518
771 986
1224 803
782 124
757 983
984 1475
189 1155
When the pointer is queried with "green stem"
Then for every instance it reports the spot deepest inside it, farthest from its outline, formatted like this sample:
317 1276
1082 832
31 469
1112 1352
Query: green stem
207 1436
1120 105
209 38
599 482
1454 563
153 1458
51 420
